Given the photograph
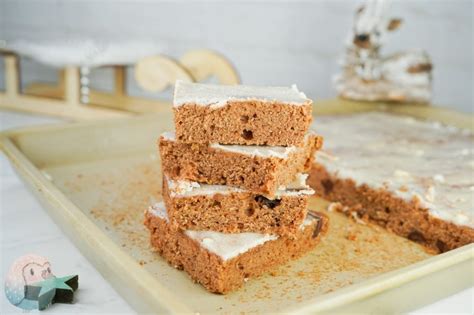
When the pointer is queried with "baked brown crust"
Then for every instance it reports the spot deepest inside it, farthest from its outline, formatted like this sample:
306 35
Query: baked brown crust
220 276
236 212
407 219
262 175
249 122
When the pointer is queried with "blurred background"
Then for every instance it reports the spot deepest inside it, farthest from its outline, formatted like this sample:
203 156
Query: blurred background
269 43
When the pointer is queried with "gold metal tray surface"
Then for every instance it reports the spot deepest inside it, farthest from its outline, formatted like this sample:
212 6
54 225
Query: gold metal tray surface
96 178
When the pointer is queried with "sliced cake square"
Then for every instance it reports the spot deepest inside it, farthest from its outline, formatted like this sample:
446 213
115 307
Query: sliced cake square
220 208
413 177
239 114
261 169
223 262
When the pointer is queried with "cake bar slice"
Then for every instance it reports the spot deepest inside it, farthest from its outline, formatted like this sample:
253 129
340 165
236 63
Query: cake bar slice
222 262
261 169
412 177
195 206
240 114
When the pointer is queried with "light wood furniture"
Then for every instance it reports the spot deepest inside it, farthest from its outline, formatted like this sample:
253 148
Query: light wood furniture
154 74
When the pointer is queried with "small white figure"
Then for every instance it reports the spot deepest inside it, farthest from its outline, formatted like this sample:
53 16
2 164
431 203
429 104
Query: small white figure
369 76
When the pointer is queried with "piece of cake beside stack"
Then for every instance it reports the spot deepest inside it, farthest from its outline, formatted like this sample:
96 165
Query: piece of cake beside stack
234 183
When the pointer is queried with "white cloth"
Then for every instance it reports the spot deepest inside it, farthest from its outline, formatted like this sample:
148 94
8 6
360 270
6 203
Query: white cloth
86 52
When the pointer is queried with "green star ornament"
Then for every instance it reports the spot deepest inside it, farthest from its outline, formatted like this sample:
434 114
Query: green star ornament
52 290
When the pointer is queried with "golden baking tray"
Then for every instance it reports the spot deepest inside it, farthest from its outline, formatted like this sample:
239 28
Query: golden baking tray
96 178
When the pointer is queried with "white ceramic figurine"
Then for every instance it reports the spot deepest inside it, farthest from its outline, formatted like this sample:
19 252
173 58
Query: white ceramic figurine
369 76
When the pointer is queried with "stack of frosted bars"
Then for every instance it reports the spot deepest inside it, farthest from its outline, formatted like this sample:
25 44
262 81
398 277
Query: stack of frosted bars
234 183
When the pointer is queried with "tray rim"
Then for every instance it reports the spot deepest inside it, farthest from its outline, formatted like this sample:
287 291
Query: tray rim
114 260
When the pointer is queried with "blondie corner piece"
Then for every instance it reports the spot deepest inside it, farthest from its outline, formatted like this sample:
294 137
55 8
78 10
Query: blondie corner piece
220 208
261 169
240 114
222 262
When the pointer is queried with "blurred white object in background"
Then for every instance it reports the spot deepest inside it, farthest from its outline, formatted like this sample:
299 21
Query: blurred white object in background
369 76
86 51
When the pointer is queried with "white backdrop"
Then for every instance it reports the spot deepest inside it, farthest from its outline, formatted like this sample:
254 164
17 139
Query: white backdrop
270 43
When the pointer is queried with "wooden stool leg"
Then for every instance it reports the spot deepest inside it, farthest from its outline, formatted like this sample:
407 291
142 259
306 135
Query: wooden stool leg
71 81
120 73
12 76
62 82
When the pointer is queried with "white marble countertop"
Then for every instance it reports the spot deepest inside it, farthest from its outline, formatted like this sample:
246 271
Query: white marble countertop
26 228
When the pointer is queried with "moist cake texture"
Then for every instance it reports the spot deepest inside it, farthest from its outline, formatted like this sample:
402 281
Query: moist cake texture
413 177
234 183
260 169
239 114
222 262
220 208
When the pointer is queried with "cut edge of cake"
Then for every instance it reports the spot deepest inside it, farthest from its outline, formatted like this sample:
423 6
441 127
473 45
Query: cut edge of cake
409 175
407 218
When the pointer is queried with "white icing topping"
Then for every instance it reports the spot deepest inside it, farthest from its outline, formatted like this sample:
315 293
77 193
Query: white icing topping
158 210
185 188
299 182
169 135
256 150
252 150
226 246
218 95
261 151
410 158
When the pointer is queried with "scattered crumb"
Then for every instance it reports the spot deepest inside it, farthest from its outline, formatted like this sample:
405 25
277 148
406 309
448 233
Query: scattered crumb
351 236
356 218
335 206
362 250
300 273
